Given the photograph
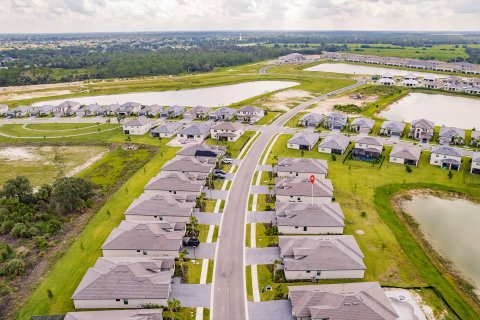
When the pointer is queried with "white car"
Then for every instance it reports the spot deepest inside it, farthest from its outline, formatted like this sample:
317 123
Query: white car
227 160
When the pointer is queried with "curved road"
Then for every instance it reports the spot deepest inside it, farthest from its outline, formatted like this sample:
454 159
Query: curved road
229 296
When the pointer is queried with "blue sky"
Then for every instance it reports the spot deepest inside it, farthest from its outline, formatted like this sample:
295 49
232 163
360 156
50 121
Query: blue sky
171 15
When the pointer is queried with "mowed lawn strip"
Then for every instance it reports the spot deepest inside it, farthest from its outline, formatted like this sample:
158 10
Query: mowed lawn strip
66 274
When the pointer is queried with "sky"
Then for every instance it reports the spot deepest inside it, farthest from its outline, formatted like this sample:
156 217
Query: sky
39 16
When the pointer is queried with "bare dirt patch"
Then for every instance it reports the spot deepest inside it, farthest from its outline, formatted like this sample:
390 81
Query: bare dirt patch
326 106
284 100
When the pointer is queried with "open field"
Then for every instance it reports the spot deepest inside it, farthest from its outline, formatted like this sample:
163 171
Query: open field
42 164
357 188
52 131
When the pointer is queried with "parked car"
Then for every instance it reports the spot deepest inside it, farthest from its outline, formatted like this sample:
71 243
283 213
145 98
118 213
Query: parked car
220 172
219 176
190 242
227 160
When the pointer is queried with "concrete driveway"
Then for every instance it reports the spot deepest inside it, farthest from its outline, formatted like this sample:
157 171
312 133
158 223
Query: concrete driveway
264 167
192 295
262 255
268 310
208 218
203 251
216 194
260 216
261 190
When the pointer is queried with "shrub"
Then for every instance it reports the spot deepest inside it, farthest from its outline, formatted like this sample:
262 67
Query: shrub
20 230
49 294
408 168
450 175
14 267
334 157
41 243
363 214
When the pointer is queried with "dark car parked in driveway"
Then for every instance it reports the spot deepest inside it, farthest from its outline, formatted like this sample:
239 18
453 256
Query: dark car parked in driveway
190 242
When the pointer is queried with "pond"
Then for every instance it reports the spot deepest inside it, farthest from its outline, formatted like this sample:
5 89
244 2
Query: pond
453 111
451 226
347 68
208 97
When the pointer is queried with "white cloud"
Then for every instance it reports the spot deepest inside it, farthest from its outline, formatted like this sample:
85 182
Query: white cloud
159 15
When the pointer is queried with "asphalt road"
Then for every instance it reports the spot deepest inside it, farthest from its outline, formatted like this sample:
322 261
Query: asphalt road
229 296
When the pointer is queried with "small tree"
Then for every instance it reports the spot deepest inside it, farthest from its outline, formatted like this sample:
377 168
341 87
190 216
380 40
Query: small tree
450 174
408 168
14 267
70 194
193 226
181 261
18 188
49 294
173 305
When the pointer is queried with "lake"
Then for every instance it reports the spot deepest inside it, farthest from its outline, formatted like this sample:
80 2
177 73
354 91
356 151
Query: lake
454 111
368 70
208 97
451 226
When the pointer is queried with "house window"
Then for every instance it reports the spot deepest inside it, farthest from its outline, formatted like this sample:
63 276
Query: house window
318 273
308 271
296 227
144 253
117 299
305 228
138 250
125 301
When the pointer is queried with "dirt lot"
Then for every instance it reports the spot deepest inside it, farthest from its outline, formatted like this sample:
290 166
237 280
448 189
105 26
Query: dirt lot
284 100
326 106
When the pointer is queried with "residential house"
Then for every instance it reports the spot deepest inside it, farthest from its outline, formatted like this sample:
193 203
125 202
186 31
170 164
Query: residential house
110 284
303 140
3 109
334 143
364 125
138 239
335 121
473 90
321 257
475 163
386 82
151 207
406 153
18 112
223 114
301 167
368 149
110 110
310 120
433 85
90 110
172 112
446 157
227 131
151 111
422 130
42 111
166 130
307 218
67 108
302 190
142 314
190 165
475 139
176 183
250 114
202 151
392 128
429 78
387 75
410 76
198 113
450 135
410 83
196 132
138 126
359 301
129 109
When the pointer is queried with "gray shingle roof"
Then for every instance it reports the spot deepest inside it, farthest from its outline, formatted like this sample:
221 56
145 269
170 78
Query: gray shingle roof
335 141
197 129
188 164
199 150
305 138
161 205
363 122
393 125
139 121
321 253
230 126
337 117
303 187
225 111
159 236
303 165
144 314
423 123
109 280
312 117
406 151
450 132
307 214
250 109
168 127
174 109
175 181
476 156
371 141
359 301
68 104
199 110
447 151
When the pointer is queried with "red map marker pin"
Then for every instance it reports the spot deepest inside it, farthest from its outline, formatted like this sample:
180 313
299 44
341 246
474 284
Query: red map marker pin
312 179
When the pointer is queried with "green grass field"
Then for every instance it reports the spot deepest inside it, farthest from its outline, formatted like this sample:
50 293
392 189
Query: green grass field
54 130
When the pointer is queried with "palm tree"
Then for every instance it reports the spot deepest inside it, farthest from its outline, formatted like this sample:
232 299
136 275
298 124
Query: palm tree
181 261
173 305
193 226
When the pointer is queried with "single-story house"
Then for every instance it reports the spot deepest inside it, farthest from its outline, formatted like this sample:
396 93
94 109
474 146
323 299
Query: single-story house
303 140
433 84
198 112
202 151
392 128
429 78
135 314
386 82
152 110
368 149
475 138
451 135
410 83
129 109
300 190
20 111
422 130
387 75
250 114
227 131
446 157
175 183
189 165
110 110
410 76
3 109
321 257
67 108
166 130
42 111
473 90
334 143
310 120
223 114
301 167
151 207
475 163
90 110
172 112
197 132
307 218
359 301
362 125
110 284
406 153
138 239
335 121
138 126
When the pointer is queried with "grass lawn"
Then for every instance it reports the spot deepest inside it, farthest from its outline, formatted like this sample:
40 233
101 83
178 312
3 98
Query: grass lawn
293 121
363 189
234 147
269 117
248 232
61 126
70 267
210 271
183 314
262 239
194 270
248 278
203 232
17 130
